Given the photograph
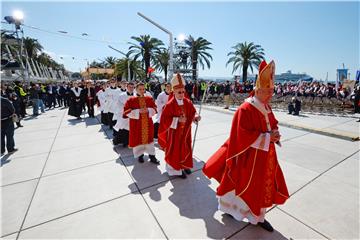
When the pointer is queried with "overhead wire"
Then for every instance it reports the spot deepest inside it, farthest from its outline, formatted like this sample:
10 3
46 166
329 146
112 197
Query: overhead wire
63 34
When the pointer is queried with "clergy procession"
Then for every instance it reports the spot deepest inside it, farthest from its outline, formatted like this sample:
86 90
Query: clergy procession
245 166
180 120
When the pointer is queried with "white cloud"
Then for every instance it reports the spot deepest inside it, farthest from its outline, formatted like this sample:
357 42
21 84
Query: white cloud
51 54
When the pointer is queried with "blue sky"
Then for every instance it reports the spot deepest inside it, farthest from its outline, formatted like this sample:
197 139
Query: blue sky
311 37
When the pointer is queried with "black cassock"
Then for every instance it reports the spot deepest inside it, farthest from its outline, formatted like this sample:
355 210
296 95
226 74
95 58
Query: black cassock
76 102
89 97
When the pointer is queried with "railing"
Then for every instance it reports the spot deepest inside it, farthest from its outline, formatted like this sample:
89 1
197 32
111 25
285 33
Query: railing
308 104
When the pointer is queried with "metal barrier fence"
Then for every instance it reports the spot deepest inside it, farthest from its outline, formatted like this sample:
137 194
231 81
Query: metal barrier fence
308 104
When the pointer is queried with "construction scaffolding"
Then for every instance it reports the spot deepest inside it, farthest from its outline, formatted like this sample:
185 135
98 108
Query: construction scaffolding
16 64
182 60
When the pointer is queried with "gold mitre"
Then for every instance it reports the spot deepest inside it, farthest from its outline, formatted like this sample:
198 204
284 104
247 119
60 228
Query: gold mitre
266 76
177 81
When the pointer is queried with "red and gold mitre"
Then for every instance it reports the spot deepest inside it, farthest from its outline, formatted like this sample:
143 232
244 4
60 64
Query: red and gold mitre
177 81
266 76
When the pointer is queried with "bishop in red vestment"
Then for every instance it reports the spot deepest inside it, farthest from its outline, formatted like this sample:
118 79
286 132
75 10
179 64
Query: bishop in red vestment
140 110
246 165
175 130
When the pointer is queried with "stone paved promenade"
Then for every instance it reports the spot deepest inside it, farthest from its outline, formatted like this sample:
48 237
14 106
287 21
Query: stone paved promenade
67 181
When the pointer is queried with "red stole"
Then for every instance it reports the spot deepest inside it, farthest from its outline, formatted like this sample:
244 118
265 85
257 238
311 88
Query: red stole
177 142
141 131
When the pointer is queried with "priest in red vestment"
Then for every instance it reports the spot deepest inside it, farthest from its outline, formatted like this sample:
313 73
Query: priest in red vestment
175 130
140 109
246 165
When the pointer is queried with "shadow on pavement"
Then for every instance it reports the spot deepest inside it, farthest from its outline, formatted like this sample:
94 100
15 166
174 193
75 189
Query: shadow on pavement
5 159
144 175
197 200
256 232
75 121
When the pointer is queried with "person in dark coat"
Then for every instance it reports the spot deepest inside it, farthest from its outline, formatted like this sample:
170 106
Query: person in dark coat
51 93
294 106
76 101
16 103
61 95
7 126
89 96
67 95
34 97
357 100
157 89
21 93
6 91
42 96
227 91
189 88
82 85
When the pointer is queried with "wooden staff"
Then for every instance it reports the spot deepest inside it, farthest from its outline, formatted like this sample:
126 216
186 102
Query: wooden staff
197 124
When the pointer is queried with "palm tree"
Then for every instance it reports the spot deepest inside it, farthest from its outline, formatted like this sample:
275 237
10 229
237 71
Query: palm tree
44 59
199 53
144 48
121 69
161 61
110 62
47 61
32 47
246 55
95 64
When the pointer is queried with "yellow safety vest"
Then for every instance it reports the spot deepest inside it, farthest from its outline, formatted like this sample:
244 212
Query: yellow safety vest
203 86
21 91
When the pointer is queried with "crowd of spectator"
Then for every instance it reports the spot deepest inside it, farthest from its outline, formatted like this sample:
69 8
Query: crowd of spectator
46 96
228 91
313 89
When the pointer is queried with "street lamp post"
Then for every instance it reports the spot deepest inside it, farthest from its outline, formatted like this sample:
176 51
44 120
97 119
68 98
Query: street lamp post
17 19
128 60
171 60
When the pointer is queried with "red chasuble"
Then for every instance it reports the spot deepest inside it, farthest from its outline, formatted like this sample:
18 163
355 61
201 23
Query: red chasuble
177 142
141 131
254 174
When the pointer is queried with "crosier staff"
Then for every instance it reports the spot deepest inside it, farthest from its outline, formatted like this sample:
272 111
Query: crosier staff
197 123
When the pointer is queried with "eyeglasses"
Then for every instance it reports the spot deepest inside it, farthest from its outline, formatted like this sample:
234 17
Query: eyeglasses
180 92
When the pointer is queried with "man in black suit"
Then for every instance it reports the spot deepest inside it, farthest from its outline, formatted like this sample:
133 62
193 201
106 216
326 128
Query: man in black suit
7 126
89 97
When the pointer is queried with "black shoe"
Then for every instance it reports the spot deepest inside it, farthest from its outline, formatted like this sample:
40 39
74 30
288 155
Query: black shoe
266 225
125 145
20 125
228 215
141 159
183 175
187 171
12 151
154 160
